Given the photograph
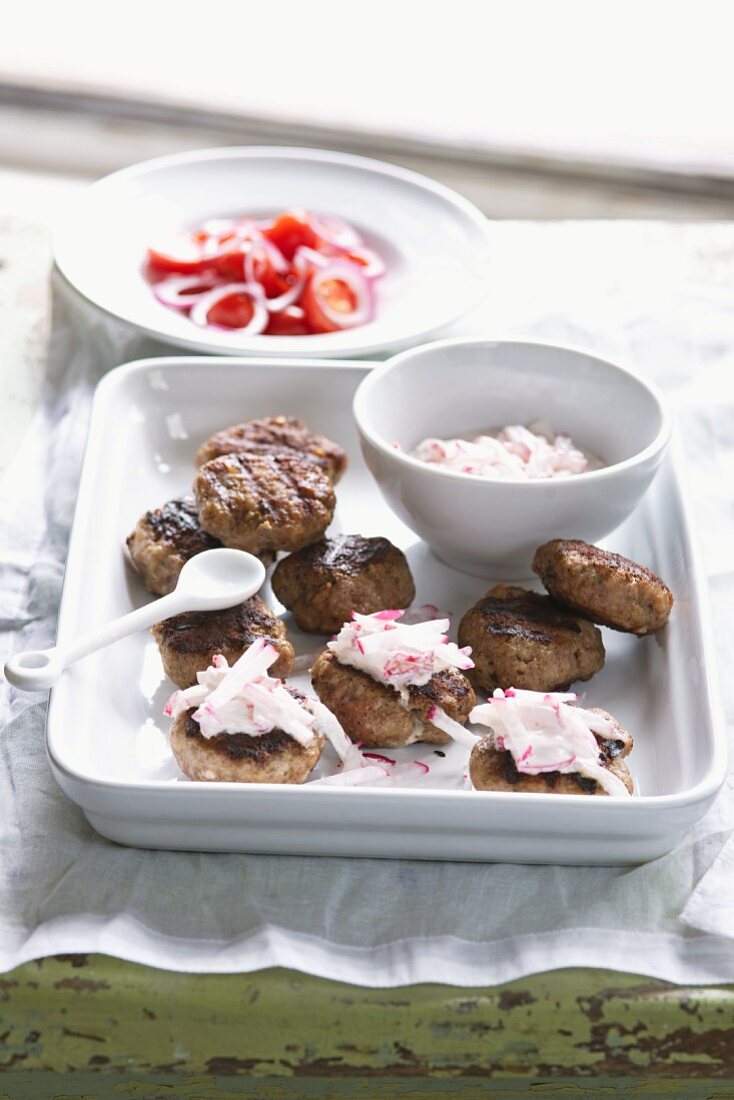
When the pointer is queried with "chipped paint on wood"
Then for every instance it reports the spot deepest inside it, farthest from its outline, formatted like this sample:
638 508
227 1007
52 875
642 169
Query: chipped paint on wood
559 1033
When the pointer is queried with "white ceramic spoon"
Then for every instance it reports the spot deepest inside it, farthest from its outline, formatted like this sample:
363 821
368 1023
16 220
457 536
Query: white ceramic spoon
210 581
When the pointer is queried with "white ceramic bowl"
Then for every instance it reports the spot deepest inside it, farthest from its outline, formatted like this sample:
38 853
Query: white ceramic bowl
461 387
434 242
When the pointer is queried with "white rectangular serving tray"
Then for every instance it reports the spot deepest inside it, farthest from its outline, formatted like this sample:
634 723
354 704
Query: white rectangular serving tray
106 733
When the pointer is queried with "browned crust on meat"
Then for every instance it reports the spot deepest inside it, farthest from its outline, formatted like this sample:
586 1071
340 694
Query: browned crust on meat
238 758
524 640
256 502
188 642
372 714
273 433
493 769
324 583
605 587
164 539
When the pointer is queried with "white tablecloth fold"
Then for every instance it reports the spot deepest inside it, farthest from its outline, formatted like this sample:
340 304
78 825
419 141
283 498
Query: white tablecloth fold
656 296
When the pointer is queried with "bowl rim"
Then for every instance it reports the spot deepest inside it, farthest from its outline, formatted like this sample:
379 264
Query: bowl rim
656 447
373 344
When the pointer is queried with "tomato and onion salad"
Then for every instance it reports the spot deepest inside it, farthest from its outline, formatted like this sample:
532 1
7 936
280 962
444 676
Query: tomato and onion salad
295 274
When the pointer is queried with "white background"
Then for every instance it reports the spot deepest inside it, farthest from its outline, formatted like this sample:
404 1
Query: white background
634 80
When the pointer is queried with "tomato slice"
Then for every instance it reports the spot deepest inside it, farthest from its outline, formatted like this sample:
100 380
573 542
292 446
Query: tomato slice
273 282
289 322
235 311
230 265
182 253
335 294
289 232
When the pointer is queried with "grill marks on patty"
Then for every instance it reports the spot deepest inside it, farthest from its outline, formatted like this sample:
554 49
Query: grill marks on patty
256 502
524 640
189 642
177 522
164 539
605 587
273 433
525 614
325 582
242 746
346 555
231 628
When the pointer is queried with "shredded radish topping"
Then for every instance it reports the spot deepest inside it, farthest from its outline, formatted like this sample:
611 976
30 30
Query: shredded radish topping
375 775
439 718
396 654
545 732
354 777
514 453
244 699
404 775
348 753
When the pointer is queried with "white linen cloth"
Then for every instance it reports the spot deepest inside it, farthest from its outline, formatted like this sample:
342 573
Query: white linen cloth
658 297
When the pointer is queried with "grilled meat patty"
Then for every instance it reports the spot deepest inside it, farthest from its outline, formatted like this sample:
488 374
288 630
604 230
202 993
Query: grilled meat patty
188 642
493 769
264 501
605 587
272 433
372 713
239 758
164 539
524 640
325 582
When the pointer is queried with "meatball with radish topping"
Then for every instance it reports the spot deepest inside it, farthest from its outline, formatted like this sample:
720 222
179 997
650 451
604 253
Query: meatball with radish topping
390 684
240 725
545 743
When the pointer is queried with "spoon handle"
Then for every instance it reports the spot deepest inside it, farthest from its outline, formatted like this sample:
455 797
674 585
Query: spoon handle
38 670
140 619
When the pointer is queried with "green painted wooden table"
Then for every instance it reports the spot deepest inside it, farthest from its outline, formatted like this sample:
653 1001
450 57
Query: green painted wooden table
79 1026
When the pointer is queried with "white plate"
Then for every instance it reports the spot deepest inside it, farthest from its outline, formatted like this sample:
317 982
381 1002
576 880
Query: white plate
434 242
105 726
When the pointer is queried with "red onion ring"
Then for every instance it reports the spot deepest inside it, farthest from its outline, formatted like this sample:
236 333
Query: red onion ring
276 257
374 267
247 229
304 256
334 231
360 287
200 313
172 291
